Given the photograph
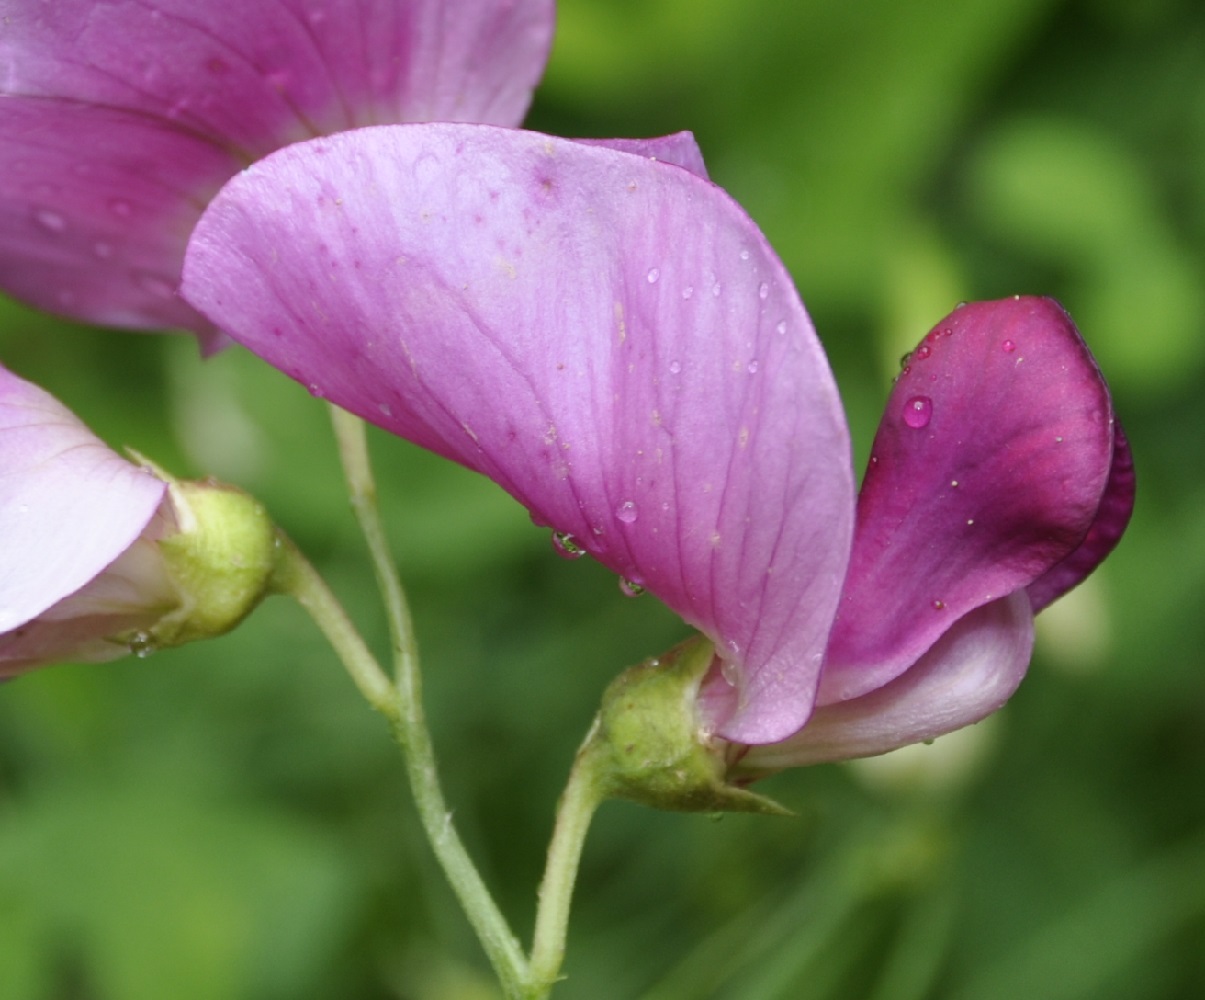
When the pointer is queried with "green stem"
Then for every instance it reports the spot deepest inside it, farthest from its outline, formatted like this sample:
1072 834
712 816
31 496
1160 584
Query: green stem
583 794
410 727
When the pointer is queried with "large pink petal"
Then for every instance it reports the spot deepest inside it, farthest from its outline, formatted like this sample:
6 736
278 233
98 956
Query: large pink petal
989 467
120 119
607 337
69 505
970 672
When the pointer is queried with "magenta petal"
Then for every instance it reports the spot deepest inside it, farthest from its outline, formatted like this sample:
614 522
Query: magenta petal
120 119
970 672
607 337
95 210
988 469
69 505
1111 519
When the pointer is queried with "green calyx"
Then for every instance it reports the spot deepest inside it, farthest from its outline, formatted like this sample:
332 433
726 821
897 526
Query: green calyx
220 562
648 745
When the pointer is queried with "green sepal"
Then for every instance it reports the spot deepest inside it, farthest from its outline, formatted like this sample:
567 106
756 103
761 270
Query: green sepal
648 744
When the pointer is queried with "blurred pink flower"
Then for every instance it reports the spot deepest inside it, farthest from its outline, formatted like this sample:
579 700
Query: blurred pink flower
120 119
612 340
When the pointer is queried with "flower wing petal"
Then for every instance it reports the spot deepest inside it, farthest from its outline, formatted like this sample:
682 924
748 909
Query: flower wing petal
989 468
69 505
971 671
607 337
120 119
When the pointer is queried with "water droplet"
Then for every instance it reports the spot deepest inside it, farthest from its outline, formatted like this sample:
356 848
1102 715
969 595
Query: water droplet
782 327
918 411
653 275
121 208
922 352
960 305
688 291
629 588
752 367
763 291
142 644
1008 347
939 605
626 512
103 250
744 255
52 222
316 390
675 367
385 409
715 289
566 545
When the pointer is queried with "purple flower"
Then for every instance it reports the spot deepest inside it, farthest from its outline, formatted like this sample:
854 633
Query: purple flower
611 339
120 119
104 557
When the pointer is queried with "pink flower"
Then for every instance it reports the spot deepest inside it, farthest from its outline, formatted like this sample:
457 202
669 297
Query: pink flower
611 340
120 119
103 557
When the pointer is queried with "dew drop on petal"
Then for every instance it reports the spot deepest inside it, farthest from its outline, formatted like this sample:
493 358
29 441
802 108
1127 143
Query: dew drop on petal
763 291
52 222
156 286
675 367
1008 347
565 545
629 588
385 409
922 352
653 275
121 208
715 289
918 411
782 327
688 291
744 255
102 250
142 645
626 512
939 605
752 367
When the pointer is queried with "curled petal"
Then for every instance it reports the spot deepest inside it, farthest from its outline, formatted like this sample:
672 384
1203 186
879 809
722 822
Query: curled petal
69 506
119 119
970 672
679 148
988 469
1116 506
607 337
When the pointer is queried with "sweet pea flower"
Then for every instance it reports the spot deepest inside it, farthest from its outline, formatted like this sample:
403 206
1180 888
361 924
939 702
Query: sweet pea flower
610 338
103 556
120 119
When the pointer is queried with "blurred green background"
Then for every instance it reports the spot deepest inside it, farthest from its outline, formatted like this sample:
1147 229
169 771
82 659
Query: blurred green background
229 822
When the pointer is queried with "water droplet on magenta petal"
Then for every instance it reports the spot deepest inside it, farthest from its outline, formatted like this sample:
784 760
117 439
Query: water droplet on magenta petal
675 367
630 588
763 291
1008 346
51 221
939 605
653 275
626 512
744 255
752 367
730 670
782 327
121 208
156 285
565 545
102 250
688 291
385 409
918 411
715 289
922 352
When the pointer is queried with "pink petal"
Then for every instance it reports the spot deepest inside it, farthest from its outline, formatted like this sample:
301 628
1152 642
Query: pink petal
679 148
69 505
120 120
970 672
607 337
989 467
